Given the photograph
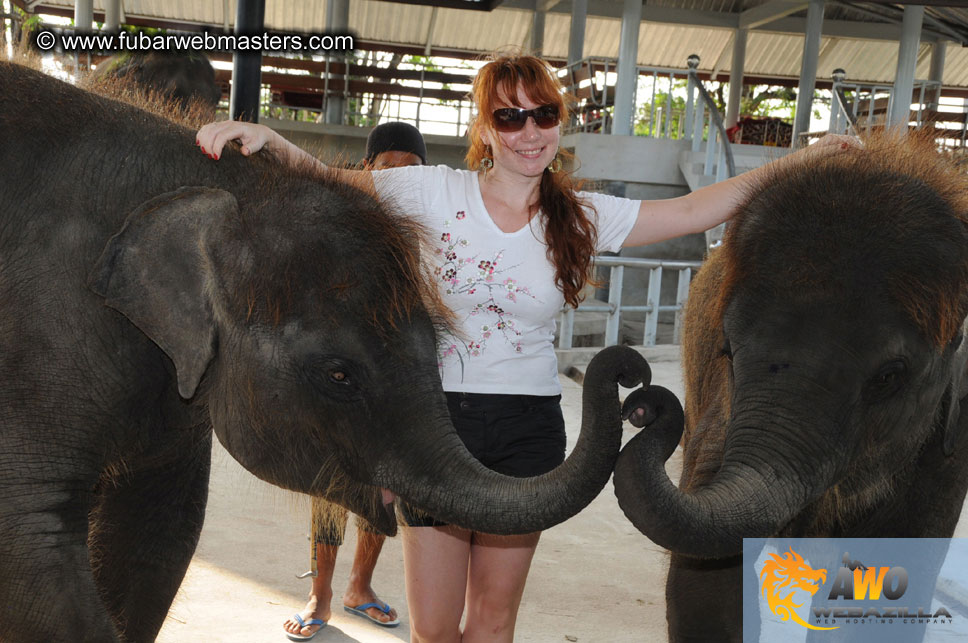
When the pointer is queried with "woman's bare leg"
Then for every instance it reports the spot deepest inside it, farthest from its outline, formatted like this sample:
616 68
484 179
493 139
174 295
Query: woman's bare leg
435 561
498 572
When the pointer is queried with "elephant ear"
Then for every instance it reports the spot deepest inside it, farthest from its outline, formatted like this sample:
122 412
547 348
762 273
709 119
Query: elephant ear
155 272
956 392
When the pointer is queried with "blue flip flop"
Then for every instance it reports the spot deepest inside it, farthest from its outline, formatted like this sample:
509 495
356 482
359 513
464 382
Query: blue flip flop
360 610
302 623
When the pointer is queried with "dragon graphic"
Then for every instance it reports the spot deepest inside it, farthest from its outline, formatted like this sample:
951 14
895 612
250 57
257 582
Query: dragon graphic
782 577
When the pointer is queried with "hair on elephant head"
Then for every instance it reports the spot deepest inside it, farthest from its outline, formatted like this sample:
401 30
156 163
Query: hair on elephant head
286 311
824 365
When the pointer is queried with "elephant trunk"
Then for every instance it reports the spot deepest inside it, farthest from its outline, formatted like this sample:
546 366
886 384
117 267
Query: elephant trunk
441 477
745 498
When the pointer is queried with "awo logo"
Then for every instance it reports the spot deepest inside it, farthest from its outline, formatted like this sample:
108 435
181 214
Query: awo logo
783 577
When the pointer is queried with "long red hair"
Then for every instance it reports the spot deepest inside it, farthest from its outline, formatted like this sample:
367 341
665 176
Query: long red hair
569 233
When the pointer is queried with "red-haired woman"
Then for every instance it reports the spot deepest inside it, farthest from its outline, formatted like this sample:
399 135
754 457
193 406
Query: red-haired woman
514 243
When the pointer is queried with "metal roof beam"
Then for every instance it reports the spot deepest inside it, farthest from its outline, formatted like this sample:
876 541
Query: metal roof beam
767 13
611 9
673 16
723 20
851 29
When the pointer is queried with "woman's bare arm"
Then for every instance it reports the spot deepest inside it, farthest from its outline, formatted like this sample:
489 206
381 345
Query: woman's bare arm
253 138
709 206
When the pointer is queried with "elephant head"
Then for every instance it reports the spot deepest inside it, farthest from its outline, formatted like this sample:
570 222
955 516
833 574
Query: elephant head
185 81
824 359
309 334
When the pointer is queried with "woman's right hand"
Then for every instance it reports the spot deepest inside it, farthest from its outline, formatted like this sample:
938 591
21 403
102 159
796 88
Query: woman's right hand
213 137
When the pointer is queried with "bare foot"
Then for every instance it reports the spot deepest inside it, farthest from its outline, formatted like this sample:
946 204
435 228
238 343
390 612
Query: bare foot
354 597
314 609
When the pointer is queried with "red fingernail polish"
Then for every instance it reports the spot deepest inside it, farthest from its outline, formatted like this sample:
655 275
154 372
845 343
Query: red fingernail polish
215 157
203 150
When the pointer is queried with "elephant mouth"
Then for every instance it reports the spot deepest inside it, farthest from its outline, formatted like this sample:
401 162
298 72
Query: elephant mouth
379 510
373 503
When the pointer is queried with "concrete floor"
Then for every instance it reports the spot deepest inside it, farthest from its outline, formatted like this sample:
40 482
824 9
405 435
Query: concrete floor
595 579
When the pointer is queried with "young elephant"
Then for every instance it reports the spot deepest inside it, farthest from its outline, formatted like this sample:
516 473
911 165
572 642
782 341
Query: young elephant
824 360
287 311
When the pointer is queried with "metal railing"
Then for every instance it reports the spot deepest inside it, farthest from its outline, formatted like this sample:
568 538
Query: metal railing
615 309
382 87
408 89
658 112
869 106
857 109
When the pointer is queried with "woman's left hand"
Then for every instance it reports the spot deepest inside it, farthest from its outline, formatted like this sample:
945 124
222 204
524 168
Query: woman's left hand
831 144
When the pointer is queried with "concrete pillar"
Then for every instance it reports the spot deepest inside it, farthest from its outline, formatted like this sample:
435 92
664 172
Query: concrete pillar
247 66
576 36
112 15
808 70
907 60
736 77
337 21
537 32
83 16
628 51
938 50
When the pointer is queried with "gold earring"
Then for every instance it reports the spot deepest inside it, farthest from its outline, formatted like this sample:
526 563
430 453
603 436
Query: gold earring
555 166
486 162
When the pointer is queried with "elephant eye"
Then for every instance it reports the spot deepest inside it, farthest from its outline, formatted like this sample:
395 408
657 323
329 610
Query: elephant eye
888 379
727 350
333 376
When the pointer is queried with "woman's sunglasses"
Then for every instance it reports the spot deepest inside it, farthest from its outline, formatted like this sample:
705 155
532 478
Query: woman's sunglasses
511 119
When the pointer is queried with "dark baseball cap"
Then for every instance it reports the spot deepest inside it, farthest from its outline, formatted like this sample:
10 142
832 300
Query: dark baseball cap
395 137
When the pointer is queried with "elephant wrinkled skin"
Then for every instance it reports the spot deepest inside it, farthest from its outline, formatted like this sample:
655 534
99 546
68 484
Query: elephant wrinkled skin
824 361
151 295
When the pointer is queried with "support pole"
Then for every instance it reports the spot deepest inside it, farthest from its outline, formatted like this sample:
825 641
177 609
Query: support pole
808 70
247 66
83 16
907 60
537 32
576 35
3 25
112 15
628 50
337 21
938 50
692 62
736 77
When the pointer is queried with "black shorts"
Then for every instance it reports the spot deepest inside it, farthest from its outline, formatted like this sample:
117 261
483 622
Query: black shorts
517 435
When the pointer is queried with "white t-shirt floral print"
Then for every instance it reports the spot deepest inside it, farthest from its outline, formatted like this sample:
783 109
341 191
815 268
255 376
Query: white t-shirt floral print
500 285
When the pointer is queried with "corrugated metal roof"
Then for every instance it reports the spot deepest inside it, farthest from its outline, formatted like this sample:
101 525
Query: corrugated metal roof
660 44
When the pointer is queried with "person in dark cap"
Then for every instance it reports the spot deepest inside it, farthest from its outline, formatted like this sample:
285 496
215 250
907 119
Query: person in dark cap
388 145
394 145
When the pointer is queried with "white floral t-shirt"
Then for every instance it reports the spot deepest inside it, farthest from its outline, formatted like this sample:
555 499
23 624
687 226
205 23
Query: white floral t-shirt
500 285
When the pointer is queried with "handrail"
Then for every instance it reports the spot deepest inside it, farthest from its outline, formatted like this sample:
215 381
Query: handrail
839 75
714 115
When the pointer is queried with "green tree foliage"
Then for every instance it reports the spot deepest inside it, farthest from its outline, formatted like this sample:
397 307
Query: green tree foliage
758 101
